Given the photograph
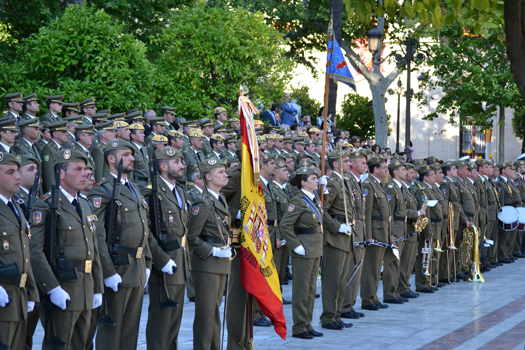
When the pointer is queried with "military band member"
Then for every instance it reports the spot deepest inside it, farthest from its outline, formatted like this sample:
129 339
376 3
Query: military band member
442 275
338 242
208 237
516 198
468 205
54 106
58 132
520 170
31 107
481 189
208 130
493 209
163 325
30 130
124 260
302 228
141 163
157 128
505 198
75 298
18 292
105 132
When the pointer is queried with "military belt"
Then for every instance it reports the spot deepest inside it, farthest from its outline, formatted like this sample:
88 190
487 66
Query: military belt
273 222
361 217
81 265
400 218
134 252
211 239
308 231
170 245
380 218
469 214
10 274
492 202
445 217
436 220
141 178
483 206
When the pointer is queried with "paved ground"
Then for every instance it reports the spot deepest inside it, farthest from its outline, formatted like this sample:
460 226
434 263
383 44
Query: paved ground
465 315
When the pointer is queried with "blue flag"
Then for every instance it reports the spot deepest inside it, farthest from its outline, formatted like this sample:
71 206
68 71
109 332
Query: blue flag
339 70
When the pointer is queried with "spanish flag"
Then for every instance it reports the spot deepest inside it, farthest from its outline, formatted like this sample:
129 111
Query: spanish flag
258 272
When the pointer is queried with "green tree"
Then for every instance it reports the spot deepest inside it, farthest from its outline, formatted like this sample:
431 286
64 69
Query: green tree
208 52
84 53
309 106
357 117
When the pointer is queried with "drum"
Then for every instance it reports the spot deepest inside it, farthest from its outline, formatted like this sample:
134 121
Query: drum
508 218
521 219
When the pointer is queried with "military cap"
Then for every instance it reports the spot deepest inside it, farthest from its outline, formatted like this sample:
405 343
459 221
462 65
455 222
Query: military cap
75 107
467 158
461 163
234 119
168 109
419 162
268 157
448 163
159 138
107 111
217 137
314 129
87 102
120 124
230 160
89 167
136 127
14 97
432 160
336 154
7 124
472 165
196 133
66 155
304 163
189 123
357 155
156 121
9 159
100 116
45 125
437 166
117 145
305 171
220 128
232 138
519 162
74 119
397 158
481 162
258 123
287 139
133 110
85 128
31 123
55 99
179 120
206 122
168 153
175 134
261 138
394 164
273 137
425 168
117 116
58 126
304 155
212 163
30 98
513 167
303 134
26 159
279 164
134 115
409 166
238 144
283 131
367 152
107 125
219 110
298 139
376 160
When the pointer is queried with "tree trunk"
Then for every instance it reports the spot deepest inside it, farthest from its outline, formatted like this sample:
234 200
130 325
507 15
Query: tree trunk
515 32
380 118
501 146
336 6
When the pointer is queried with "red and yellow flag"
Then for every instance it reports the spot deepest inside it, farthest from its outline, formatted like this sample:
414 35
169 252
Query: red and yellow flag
258 272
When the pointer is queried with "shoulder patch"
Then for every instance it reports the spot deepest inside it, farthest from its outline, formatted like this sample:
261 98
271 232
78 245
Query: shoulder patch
37 217
389 197
291 207
423 198
444 190
390 185
365 192
46 158
97 202
195 210
499 189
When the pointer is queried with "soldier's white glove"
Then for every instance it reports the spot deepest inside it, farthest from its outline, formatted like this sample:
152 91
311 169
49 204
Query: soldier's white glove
59 297
300 250
169 267
4 298
114 282
97 300
221 253
346 229
148 273
323 180
30 306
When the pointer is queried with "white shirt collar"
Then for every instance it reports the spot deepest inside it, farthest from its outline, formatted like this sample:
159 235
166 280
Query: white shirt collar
217 154
265 182
427 184
54 115
138 146
504 178
339 175
216 195
198 189
375 178
170 186
5 200
398 183
356 178
29 143
448 177
69 197
25 189
310 195
406 185
122 179
5 147
482 177
279 185
472 181
59 147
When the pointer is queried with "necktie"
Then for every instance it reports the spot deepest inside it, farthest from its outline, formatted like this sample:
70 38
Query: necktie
12 207
128 185
142 152
76 204
35 152
176 194
199 156
222 202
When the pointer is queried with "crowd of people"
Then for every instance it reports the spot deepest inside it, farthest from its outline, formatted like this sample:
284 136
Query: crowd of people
96 206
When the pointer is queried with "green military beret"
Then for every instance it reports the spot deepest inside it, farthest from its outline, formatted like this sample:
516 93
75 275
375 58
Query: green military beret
410 166
85 128
419 162
156 121
394 164
118 144
449 163
425 168
7 124
432 160
505 165
14 97
74 119
29 98
107 125
117 116
55 99
481 162
66 155
512 167
58 126
279 164
336 154
268 157
304 163
31 123
519 162
212 163
400 158
472 165
357 155
88 102
436 166
376 160
25 159
367 152
75 107
168 153
9 159
309 142
305 171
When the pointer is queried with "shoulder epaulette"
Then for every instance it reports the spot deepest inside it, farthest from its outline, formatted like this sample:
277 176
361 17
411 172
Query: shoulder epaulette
81 195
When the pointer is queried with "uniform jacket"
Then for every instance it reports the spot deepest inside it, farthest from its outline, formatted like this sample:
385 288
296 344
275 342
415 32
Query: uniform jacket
50 118
435 214
21 147
358 198
283 201
48 165
451 192
377 211
97 153
398 207
141 164
468 204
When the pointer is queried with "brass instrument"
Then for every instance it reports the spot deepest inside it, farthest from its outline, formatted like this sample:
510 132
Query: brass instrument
438 247
465 250
426 252
450 237
422 220
474 274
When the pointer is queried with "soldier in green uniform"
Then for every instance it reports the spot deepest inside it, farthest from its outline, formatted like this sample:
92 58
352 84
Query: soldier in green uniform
432 232
84 139
163 325
88 109
30 130
157 128
377 223
106 133
31 107
493 209
58 132
516 198
505 199
520 170
168 113
441 270
14 103
54 106
77 250
221 117
28 168
45 137
192 154
468 205
484 227
208 237
357 168
302 228
208 130
141 164
338 218
18 292
70 109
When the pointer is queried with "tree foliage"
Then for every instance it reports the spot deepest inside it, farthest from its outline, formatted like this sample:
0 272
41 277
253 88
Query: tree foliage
208 52
309 106
357 117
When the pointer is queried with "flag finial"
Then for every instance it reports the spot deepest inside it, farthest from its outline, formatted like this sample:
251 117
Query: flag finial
241 90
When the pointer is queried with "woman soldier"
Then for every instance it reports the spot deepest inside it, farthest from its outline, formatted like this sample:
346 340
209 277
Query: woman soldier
302 229
208 237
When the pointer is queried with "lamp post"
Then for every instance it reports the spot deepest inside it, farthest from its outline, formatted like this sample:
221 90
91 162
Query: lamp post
399 92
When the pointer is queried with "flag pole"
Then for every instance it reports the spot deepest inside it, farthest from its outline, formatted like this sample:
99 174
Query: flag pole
325 109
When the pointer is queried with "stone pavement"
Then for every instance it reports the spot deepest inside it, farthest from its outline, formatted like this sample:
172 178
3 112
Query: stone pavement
464 315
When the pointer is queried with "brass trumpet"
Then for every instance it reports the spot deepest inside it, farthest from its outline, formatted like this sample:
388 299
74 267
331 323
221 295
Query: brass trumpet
450 237
474 274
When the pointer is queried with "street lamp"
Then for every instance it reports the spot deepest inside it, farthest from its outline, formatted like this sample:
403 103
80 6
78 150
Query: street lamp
374 39
421 79
399 92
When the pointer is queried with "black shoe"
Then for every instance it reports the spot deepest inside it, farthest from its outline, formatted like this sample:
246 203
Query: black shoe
382 306
370 307
317 296
404 300
506 261
333 325
519 255
461 276
191 300
499 264
410 295
289 276
485 269
441 285
435 289
262 322
453 280
350 314
426 290
360 314
345 325
286 302
285 279
315 333
492 265
304 335
512 259
394 301
446 281
285 283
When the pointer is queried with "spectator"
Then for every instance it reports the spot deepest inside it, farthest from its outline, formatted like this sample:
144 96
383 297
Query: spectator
288 111
297 108
376 149
320 118
362 143
369 143
355 142
305 119
150 113
269 115
410 156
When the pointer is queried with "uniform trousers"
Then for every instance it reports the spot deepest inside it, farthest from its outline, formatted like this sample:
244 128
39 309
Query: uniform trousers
371 275
391 270
305 272
13 334
352 288
406 265
71 327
